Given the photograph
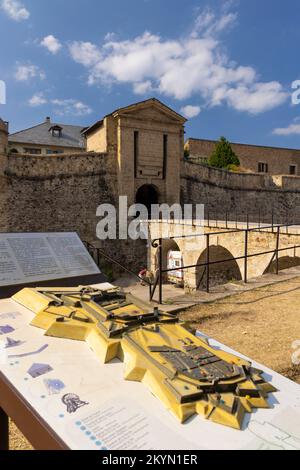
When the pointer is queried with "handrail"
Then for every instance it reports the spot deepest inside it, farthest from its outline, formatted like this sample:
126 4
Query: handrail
157 243
224 232
109 258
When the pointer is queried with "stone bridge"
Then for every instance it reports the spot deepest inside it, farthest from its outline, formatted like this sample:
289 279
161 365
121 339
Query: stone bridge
227 245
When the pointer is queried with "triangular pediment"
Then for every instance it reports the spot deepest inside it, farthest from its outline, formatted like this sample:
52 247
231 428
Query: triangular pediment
152 109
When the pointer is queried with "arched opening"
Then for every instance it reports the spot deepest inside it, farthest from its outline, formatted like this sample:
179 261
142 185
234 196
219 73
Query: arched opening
171 259
284 263
219 273
147 195
13 151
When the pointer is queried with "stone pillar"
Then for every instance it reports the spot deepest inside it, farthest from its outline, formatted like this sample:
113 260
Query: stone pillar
3 145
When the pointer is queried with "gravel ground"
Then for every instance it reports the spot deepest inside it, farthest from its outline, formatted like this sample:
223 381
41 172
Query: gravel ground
16 440
263 324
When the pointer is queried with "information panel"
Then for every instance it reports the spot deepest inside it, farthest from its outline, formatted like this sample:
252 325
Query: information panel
33 257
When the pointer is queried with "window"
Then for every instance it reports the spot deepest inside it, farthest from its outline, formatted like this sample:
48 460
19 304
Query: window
32 151
56 131
263 167
136 152
165 155
54 152
293 169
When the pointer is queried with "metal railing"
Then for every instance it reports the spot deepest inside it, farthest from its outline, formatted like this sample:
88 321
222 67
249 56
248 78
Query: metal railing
231 217
97 253
226 219
158 243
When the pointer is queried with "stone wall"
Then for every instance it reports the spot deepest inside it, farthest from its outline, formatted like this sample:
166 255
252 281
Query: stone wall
57 193
241 193
277 159
3 137
97 141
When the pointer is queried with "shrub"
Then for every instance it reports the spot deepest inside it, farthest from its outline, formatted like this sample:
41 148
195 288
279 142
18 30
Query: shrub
233 167
186 154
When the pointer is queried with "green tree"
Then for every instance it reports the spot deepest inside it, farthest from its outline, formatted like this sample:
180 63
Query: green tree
223 156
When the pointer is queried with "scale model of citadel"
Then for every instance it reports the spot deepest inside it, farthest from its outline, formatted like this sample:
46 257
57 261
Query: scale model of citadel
180 369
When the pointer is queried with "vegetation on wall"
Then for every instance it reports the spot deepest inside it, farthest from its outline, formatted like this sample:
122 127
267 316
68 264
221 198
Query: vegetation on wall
186 154
223 156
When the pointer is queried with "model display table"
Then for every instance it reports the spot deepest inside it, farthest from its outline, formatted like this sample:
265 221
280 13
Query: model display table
61 397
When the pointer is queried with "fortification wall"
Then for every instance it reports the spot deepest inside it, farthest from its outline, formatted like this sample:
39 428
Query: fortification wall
278 160
57 192
240 193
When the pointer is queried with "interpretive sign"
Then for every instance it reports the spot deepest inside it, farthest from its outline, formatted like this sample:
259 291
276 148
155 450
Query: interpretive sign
34 257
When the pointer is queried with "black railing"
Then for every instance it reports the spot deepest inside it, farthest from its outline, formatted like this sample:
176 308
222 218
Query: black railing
233 219
226 218
97 253
158 243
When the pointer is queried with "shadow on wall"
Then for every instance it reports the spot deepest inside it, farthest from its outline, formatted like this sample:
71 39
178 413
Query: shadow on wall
285 262
220 273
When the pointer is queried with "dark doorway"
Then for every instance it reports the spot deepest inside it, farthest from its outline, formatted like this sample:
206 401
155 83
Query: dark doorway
147 195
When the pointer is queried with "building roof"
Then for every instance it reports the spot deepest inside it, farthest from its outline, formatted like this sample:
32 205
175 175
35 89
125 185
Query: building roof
71 136
131 107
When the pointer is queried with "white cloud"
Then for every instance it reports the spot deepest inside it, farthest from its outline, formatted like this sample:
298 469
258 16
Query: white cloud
37 100
85 53
257 98
15 10
191 66
51 43
61 107
110 36
142 88
26 72
208 24
71 106
191 111
292 129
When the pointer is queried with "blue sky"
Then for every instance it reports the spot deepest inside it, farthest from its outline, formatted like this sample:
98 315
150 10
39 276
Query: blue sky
228 65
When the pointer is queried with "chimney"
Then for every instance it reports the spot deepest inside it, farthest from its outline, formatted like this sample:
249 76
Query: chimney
48 119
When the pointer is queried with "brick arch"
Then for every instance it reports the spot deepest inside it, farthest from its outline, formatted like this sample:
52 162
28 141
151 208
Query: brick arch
219 273
285 262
